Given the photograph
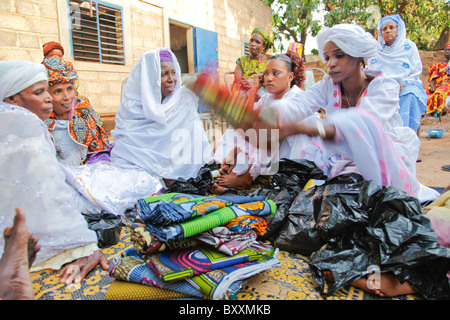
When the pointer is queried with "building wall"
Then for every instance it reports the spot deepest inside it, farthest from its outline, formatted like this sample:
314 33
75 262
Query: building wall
25 25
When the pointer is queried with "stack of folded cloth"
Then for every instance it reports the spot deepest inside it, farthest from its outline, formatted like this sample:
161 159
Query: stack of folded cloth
205 247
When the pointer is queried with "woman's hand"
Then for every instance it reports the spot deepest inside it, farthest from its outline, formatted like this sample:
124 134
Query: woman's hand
258 80
77 270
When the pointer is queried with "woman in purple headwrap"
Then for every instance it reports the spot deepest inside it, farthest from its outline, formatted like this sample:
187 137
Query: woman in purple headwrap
157 125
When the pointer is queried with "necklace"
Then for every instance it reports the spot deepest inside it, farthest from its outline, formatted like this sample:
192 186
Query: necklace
359 96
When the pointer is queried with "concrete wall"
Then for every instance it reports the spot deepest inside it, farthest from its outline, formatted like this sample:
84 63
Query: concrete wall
25 25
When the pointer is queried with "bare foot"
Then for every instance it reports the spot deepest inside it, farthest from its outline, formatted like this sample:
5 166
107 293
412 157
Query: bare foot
328 275
232 180
216 189
388 286
20 251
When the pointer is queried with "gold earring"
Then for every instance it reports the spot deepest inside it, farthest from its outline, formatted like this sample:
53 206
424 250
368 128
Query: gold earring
363 74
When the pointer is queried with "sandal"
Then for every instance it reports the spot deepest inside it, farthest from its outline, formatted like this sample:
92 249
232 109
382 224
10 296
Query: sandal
446 167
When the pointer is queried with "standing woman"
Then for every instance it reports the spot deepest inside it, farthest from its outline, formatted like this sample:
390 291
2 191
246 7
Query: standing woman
74 124
249 65
398 58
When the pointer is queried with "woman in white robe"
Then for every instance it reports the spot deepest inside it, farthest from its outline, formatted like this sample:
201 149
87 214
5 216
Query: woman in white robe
162 134
398 58
31 177
363 132
242 161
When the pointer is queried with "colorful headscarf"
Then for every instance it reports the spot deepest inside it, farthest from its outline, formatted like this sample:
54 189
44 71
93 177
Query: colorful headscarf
268 43
60 71
447 45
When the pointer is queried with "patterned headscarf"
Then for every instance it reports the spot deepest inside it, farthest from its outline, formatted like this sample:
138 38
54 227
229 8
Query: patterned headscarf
447 45
268 43
60 71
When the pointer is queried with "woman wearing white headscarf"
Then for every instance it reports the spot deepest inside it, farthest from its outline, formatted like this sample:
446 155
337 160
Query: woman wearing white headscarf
363 132
30 175
52 195
157 131
398 58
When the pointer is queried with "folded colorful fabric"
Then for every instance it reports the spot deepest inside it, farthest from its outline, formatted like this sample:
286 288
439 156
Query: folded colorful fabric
244 223
213 219
218 284
226 241
181 264
145 243
132 268
175 208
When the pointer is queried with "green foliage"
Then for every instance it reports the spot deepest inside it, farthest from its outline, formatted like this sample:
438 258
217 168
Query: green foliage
424 19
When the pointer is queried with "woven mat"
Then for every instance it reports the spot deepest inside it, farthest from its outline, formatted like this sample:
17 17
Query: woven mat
291 280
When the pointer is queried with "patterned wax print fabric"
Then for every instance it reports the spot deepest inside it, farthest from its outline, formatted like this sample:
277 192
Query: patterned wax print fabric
226 241
85 126
180 264
440 72
194 224
221 283
145 243
165 209
250 67
243 223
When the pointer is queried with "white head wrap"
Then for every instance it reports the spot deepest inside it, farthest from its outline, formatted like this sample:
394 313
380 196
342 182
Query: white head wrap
140 87
350 38
149 133
16 76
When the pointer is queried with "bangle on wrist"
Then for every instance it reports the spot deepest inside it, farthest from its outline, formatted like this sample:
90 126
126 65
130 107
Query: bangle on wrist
320 129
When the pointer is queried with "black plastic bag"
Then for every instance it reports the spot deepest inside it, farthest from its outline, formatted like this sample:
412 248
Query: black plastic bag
365 225
107 227
199 185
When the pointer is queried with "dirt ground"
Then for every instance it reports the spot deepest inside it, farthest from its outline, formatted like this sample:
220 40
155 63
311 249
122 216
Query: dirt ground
434 153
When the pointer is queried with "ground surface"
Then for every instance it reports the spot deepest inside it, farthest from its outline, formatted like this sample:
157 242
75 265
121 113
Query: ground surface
434 153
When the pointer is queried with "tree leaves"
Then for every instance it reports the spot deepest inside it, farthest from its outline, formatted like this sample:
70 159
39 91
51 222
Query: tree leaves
424 19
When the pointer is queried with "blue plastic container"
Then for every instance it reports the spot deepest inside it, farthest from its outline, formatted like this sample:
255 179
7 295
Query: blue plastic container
435 133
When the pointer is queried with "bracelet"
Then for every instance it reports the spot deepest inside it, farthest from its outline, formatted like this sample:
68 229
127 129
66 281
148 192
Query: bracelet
320 129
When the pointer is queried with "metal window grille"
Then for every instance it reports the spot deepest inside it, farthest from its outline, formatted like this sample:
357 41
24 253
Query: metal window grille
97 32
246 49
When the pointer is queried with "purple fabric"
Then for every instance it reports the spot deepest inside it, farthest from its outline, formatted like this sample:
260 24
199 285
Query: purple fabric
165 56
103 155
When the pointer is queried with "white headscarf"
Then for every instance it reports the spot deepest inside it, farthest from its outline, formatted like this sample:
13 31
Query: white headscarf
140 87
16 76
150 133
350 38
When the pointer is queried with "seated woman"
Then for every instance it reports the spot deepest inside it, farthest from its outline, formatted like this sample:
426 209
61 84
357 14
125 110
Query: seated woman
158 127
74 124
249 65
33 179
363 132
399 59
241 162
357 104
439 84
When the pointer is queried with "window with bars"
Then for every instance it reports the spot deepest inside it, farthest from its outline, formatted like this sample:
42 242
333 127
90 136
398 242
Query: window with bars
246 49
97 32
